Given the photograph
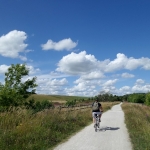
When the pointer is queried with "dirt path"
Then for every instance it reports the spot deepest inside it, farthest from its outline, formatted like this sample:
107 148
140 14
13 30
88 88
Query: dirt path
113 134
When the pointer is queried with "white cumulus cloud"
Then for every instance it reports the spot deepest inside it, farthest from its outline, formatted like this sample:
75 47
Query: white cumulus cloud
82 64
141 88
77 64
93 75
110 83
32 70
140 81
51 86
65 44
123 62
3 69
117 63
12 44
127 75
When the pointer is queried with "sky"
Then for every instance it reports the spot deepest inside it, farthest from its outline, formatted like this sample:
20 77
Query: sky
78 47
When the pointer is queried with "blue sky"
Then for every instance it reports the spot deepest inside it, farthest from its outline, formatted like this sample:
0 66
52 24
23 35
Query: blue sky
77 47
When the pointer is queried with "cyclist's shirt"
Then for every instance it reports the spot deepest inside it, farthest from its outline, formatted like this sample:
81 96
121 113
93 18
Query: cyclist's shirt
99 105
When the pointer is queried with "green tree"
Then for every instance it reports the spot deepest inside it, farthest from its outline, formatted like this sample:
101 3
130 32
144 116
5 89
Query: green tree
15 91
147 101
136 98
105 96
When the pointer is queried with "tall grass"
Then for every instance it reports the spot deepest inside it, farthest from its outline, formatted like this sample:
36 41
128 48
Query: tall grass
22 130
137 118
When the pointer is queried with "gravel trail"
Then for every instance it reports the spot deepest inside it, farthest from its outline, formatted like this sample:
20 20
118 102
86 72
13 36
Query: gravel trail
112 135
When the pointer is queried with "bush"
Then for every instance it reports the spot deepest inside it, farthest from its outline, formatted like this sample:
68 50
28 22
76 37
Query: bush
137 98
71 102
38 106
147 101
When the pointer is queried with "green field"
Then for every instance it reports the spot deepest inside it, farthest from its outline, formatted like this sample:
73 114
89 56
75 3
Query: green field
60 98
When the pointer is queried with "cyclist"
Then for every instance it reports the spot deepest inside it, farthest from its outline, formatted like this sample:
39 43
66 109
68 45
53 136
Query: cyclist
96 109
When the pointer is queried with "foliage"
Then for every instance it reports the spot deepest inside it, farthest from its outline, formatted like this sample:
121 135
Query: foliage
14 92
147 101
38 106
71 102
136 98
107 97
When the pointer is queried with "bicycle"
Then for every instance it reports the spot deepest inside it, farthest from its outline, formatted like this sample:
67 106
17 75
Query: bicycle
97 123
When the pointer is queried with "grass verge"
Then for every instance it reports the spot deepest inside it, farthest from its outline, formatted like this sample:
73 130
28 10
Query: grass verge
20 129
137 119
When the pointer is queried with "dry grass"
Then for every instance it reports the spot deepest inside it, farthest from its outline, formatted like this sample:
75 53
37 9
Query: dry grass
21 130
137 118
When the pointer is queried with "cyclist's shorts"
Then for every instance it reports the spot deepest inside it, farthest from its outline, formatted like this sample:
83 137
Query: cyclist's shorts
98 113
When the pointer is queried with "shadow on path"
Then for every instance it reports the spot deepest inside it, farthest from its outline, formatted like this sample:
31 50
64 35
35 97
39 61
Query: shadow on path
109 128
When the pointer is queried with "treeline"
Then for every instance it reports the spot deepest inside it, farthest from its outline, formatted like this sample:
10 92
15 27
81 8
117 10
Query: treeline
103 97
143 98
107 97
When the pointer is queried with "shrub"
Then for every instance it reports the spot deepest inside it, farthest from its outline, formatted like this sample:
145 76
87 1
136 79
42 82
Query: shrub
147 101
71 102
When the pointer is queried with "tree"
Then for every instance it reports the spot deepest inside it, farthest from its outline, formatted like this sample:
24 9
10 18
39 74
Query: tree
104 96
147 101
14 92
136 98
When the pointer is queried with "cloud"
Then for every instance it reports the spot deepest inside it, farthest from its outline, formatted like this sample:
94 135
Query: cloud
82 89
56 82
93 87
110 83
77 64
65 44
12 44
32 70
139 81
117 63
124 90
46 80
146 63
127 75
141 88
93 75
123 62
86 64
52 86
3 69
